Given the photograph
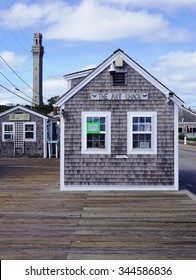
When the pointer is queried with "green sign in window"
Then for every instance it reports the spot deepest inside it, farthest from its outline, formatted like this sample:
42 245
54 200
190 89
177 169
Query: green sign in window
93 127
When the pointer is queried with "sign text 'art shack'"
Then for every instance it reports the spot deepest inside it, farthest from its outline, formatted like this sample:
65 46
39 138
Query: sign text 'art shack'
120 96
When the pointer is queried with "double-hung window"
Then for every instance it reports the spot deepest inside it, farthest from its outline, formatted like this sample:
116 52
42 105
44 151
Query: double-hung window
96 132
8 131
142 133
30 131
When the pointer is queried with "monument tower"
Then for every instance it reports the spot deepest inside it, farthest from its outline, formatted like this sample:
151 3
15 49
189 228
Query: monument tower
38 52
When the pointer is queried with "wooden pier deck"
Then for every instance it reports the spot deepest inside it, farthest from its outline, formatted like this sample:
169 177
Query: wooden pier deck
37 221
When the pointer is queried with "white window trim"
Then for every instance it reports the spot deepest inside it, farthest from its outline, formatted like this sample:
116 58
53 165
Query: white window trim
34 132
3 132
107 116
130 149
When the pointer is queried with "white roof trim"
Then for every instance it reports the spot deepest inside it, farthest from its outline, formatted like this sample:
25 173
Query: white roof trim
177 100
188 111
24 109
78 74
103 66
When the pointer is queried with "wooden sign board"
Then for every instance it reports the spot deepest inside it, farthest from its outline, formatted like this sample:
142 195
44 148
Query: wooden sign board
19 117
120 96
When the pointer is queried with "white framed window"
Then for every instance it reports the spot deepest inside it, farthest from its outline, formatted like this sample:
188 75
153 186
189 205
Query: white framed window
96 132
142 132
29 131
7 131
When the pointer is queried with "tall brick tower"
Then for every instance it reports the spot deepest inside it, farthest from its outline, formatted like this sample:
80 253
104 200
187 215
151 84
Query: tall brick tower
38 52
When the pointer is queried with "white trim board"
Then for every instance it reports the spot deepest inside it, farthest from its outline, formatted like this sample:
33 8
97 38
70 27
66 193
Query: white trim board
62 149
176 152
107 149
116 188
107 63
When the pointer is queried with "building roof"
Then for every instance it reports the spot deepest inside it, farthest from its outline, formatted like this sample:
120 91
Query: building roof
186 115
106 63
78 74
26 110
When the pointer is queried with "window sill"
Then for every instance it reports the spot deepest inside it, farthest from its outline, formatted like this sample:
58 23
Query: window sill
96 152
142 152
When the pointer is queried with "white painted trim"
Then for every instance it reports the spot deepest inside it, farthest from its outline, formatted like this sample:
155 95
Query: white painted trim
3 131
44 138
106 64
107 116
78 74
176 152
145 74
130 150
116 188
177 101
34 139
62 149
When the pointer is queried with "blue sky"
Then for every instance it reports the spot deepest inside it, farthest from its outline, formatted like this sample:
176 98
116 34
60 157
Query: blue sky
159 35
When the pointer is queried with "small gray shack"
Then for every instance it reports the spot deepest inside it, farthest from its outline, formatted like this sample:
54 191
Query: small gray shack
119 129
23 132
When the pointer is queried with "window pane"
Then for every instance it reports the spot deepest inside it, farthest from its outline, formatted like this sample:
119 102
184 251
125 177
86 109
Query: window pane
148 119
102 145
29 135
29 127
29 131
135 120
89 144
89 119
141 127
141 141
135 144
142 124
135 127
8 127
135 136
148 137
102 127
141 119
141 137
96 119
148 127
96 141
89 137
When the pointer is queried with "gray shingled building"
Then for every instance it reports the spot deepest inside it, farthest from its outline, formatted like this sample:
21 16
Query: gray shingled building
119 129
187 122
23 132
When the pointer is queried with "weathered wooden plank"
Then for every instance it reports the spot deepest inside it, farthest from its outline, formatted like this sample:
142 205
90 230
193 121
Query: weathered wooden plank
40 222
134 245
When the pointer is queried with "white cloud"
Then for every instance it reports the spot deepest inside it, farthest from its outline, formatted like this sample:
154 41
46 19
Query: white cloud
177 71
92 20
160 4
89 66
54 87
12 59
32 14
51 87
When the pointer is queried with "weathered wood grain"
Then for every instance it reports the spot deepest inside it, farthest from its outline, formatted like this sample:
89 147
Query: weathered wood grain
37 221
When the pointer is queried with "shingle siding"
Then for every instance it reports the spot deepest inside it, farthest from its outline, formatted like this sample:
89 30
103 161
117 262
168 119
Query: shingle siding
83 169
186 115
32 148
